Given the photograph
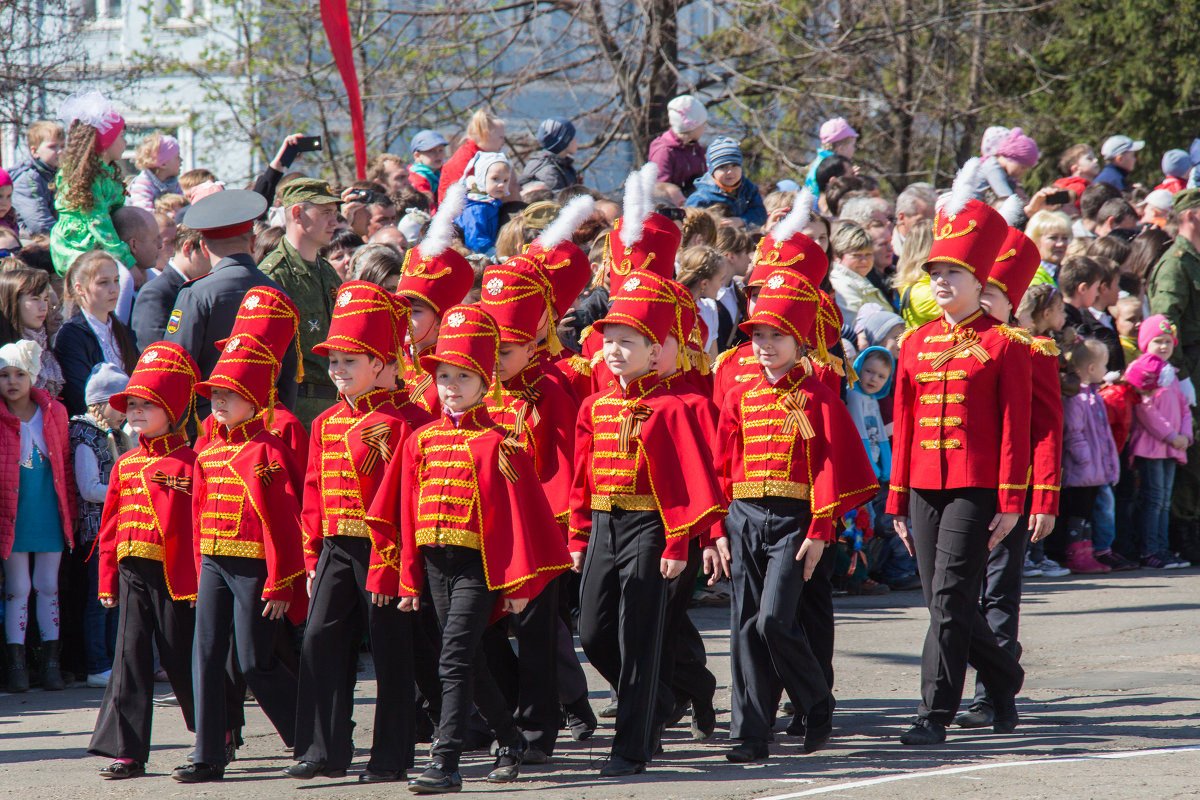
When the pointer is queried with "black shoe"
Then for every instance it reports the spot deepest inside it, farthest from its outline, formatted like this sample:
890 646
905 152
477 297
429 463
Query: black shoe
230 752
1005 720
307 770
818 725
979 715
677 713
748 752
198 773
610 710
704 720
619 767
581 720
119 770
534 755
436 779
386 776
924 731
508 762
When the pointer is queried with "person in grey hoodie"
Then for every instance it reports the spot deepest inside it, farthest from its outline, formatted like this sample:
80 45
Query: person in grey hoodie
33 180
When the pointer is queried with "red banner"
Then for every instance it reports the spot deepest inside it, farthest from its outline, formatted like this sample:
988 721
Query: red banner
336 20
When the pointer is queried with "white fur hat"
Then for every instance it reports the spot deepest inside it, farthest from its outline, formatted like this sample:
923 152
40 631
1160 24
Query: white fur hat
686 113
25 355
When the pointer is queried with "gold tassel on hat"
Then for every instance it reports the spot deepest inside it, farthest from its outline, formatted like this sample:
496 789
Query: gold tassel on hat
851 375
552 341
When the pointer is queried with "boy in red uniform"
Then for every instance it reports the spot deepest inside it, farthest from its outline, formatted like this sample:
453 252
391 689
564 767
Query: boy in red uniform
434 278
960 460
482 535
352 560
248 552
785 468
147 563
1001 598
538 413
634 510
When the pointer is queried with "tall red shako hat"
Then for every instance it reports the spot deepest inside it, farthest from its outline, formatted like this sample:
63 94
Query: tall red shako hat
269 314
644 301
640 238
966 231
566 269
166 376
248 366
785 246
1018 260
433 272
364 321
517 296
468 338
787 302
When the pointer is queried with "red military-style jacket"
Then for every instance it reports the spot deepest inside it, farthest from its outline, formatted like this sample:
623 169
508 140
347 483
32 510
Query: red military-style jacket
539 413
640 448
698 399
244 505
469 483
1045 428
962 415
793 438
148 514
550 366
284 424
351 448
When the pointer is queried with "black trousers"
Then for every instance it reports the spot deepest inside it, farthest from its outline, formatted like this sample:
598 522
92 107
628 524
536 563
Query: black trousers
768 645
622 605
148 616
230 599
950 529
529 677
1000 600
684 661
339 612
464 604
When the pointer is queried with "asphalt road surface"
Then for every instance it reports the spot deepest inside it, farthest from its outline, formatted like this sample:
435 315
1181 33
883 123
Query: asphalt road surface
1109 710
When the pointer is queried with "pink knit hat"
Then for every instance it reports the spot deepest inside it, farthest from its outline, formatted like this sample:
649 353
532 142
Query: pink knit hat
1153 326
5 178
168 148
1019 147
1143 372
836 129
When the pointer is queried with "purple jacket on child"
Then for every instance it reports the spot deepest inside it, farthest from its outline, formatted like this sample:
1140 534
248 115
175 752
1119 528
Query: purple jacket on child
1089 454
1157 419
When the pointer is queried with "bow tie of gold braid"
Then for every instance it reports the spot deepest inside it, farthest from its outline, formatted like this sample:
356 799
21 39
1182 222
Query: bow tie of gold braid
632 425
508 449
179 483
375 438
794 402
966 340
266 472
528 411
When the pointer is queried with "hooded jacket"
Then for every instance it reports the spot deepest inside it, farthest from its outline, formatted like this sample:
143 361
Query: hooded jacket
746 202
33 197
864 410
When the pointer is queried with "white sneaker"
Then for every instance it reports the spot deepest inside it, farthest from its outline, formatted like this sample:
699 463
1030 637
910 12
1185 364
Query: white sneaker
1052 569
99 680
1031 570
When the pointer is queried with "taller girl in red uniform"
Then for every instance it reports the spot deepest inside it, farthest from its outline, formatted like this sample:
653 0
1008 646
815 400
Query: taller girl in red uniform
960 461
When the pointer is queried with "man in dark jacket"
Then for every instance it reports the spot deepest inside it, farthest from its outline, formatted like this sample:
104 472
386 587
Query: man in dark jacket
552 165
155 301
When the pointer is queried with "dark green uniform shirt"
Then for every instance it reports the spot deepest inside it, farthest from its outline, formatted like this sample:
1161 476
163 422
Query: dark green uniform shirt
1174 292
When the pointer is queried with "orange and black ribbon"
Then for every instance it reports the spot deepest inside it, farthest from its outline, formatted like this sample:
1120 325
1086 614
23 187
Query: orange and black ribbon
180 483
794 402
266 472
375 437
508 449
965 340
531 396
632 425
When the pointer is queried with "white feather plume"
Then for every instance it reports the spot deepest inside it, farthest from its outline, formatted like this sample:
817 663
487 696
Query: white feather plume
637 205
965 185
1012 209
649 173
797 218
577 211
441 228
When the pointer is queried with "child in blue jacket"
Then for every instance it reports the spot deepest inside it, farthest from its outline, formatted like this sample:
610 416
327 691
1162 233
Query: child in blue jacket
724 184
487 181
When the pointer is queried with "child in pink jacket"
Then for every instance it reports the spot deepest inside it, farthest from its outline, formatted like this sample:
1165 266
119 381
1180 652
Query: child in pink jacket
1162 431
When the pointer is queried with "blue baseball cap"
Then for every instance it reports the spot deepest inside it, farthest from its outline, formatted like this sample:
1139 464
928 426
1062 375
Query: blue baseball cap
427 140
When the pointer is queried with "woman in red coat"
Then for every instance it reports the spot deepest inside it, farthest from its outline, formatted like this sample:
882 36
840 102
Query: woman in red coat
961 458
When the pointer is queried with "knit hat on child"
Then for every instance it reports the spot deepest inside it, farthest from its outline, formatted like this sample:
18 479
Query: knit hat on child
555 134
721 151
1154 326
105 381
686 113
25 355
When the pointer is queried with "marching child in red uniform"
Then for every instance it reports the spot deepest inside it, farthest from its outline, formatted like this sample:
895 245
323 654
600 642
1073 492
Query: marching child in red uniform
248 552
538 412
960 460
482 535
352 559
1000 602
147 560
785 467
634 510
434 278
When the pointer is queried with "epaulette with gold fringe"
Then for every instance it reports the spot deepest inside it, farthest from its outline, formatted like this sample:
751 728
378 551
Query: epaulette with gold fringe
1045 346
1016 334
722 358
907 332
581 365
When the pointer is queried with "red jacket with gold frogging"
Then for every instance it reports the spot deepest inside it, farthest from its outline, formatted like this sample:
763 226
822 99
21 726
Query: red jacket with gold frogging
962 416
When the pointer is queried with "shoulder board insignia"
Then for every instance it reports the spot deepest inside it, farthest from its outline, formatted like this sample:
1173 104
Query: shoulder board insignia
1045 346
1016 334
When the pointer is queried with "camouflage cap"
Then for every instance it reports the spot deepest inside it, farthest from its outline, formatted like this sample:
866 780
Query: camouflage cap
307 190
1188 198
